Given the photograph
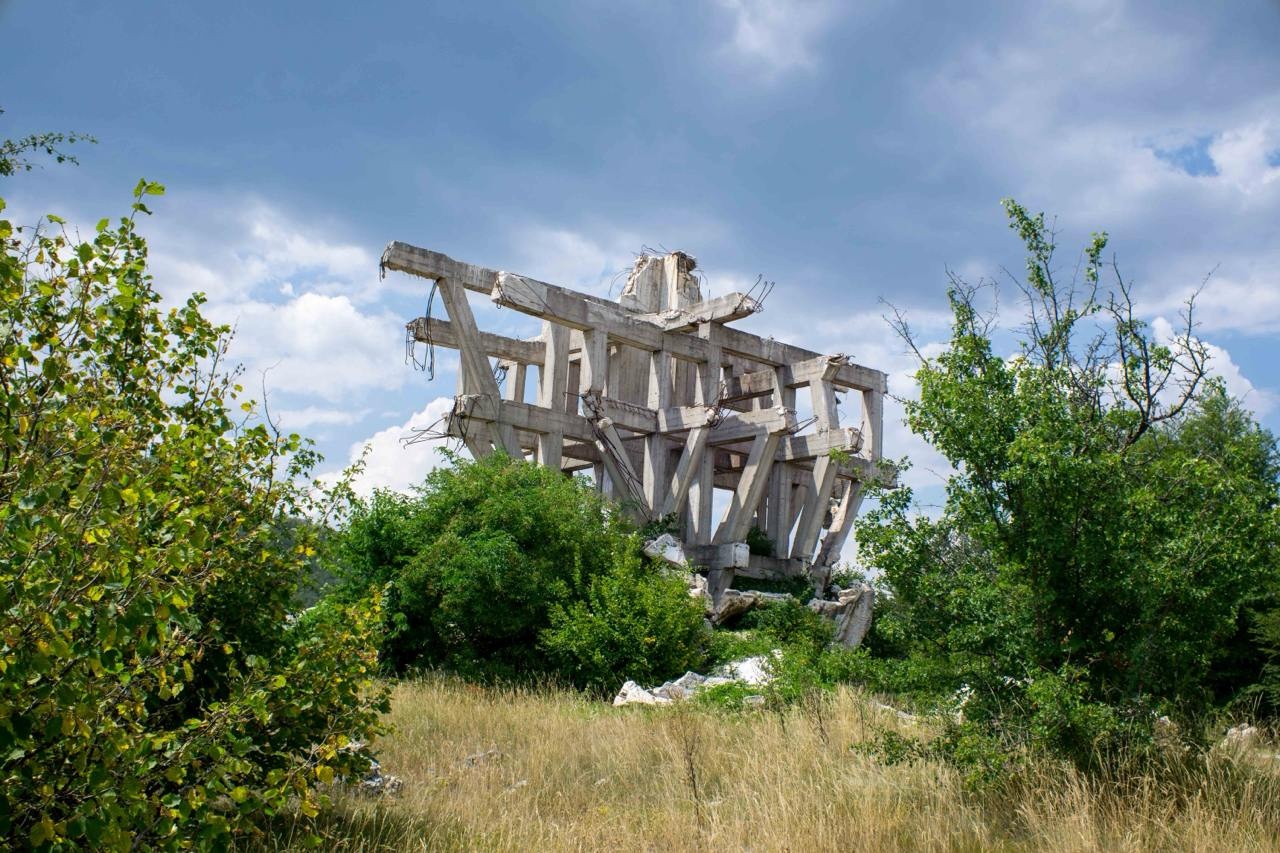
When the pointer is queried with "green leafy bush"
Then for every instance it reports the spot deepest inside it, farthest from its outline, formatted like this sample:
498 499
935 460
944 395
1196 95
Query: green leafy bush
634 623
504 568
1110 522
151 692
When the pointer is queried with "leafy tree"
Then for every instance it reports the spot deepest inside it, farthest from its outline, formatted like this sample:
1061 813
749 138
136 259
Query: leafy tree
151 690
1111 514
505 568
633 622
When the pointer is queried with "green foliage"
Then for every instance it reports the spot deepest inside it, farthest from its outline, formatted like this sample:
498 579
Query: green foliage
799 587
758 542
735 644
1111 517
13 152
730 696
151 691
633 620
504 568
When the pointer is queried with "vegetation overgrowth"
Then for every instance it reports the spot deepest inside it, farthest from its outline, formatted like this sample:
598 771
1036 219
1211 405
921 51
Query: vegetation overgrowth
502 568
528 768
1100 592
153 692
1106 561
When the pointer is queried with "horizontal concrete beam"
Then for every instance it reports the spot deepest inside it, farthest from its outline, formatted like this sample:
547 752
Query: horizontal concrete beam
425 263
441 333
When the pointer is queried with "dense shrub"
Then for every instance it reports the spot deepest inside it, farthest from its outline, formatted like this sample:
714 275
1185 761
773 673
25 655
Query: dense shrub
151 692
504 568
1110 522
634 622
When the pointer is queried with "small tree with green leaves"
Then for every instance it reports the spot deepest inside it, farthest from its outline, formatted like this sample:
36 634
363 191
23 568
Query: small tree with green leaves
505 568
1095 550
152 691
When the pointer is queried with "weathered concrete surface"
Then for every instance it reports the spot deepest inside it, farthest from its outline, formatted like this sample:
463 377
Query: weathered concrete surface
851 612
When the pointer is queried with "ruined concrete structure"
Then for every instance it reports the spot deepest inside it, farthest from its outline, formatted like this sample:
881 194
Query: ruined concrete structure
666 403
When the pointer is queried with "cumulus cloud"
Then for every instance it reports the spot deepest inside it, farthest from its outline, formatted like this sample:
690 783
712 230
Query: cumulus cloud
316 345
1259 400
1244 156
776 36
592 262
234 249
392 463
294 420
1142 144
301 297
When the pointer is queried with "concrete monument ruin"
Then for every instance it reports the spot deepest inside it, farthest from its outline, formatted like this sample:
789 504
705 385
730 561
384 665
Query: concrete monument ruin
668 405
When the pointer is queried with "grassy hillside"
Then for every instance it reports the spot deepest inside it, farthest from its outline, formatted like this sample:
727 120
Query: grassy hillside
503 769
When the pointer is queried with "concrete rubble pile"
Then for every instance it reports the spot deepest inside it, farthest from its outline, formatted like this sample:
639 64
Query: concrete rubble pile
752 671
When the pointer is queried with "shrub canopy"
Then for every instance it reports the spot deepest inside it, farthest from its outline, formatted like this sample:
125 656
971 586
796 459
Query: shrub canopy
1111 516
489 554
151 690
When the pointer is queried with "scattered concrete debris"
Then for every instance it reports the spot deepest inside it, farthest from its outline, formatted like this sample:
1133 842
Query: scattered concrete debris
751 671
898 712
375 781
666 548
379 783
851 611
478 758
633 694
734 602
1242 735
686 685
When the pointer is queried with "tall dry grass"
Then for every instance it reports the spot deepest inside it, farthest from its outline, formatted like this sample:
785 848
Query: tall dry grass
534 770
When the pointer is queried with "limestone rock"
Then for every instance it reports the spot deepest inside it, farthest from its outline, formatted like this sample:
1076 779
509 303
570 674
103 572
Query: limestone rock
666 548
633 694
851 611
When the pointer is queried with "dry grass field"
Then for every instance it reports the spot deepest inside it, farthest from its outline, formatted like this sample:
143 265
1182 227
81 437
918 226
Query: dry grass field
504 769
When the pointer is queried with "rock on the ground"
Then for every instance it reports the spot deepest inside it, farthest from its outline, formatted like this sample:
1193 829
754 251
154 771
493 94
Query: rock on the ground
377 782
667 548
1241 735
688 684
753 671
633 694
735 602
851 611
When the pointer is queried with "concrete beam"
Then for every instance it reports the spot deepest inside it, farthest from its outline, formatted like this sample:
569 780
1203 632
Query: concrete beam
722 309
425 263
441 333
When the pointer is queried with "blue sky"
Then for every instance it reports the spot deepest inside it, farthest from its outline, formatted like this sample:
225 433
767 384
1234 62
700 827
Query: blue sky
849 152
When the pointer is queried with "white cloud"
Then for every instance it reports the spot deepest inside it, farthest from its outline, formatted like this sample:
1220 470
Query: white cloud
236 249
1242 156
392 463
1249 303
309 416
594 263
776 36
316 345
1259 400
301 297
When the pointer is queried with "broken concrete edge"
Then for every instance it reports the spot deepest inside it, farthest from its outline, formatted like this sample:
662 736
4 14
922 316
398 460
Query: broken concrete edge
850 611
752 672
